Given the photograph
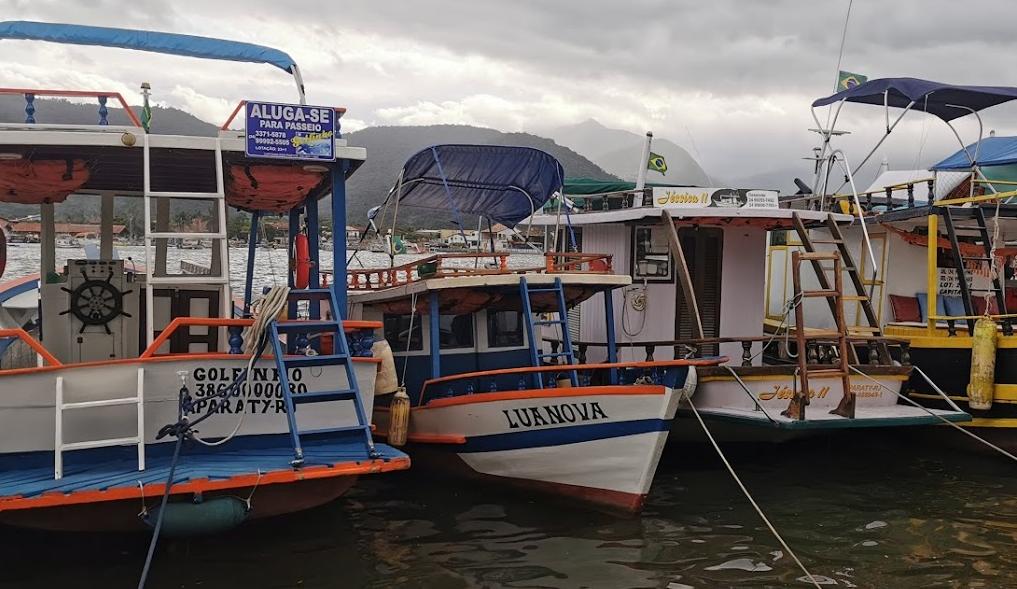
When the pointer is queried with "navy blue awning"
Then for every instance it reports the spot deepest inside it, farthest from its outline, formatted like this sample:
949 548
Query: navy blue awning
172 43
502 183
946 101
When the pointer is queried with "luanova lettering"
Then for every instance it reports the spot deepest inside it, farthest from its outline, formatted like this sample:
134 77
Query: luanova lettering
553 414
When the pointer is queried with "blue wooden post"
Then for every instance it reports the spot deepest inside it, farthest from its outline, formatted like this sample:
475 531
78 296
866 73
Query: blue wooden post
236 339
612 352
435 335
339 220
313 237
30 108
252 252
103 111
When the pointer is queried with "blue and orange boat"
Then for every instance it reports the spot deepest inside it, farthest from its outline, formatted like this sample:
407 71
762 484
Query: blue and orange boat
142 381
491 399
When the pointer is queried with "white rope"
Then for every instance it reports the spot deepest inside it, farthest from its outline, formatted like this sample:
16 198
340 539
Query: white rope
409 339
264 309
936 415
748 496
993 272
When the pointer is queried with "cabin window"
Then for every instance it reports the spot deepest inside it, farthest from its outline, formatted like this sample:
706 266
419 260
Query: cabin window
704 253
456 331
397 332
651 254
504 329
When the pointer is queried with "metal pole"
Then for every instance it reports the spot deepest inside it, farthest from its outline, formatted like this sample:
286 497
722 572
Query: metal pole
643 159
252 252
435 334
313 236
339 220
612 352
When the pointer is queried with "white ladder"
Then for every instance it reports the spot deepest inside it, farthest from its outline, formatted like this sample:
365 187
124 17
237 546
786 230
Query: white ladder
59 447
218 237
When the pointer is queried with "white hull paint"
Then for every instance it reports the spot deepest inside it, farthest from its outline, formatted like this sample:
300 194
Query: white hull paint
720 399
28 405
603 448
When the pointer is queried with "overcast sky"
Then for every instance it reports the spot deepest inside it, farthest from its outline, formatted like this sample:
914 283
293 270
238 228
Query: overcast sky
729 80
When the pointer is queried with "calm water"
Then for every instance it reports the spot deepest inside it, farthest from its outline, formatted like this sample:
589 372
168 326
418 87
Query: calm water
880 510
889 511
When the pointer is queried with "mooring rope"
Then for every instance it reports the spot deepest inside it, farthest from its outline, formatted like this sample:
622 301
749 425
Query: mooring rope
162 511
748 495
936 415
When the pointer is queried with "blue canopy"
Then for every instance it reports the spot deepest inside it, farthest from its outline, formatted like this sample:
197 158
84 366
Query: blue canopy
946 101
505 184
171 43
993 151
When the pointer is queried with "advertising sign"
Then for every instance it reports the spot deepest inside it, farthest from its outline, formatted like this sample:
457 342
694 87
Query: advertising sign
290 131
949 284
730 198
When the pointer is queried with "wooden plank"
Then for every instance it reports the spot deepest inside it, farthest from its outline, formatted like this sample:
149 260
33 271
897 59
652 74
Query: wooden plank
682 274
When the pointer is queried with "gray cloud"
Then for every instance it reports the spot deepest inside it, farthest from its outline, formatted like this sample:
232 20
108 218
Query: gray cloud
729 80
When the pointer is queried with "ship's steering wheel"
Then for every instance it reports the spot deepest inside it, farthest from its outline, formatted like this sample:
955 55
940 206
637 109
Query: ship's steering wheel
96 302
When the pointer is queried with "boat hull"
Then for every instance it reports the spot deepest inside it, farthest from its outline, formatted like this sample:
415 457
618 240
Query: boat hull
596 445
123 515
947 361
734 416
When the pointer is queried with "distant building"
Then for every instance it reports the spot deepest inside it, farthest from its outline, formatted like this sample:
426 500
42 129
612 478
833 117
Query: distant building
31 230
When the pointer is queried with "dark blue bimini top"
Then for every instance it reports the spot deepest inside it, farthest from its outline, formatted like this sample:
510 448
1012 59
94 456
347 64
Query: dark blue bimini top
946 101
993 151
505 184
171 43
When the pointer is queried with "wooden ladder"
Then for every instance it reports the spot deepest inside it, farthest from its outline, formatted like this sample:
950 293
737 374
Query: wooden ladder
846 407
873 329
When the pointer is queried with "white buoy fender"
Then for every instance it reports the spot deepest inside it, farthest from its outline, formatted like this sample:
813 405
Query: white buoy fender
387 380
399 417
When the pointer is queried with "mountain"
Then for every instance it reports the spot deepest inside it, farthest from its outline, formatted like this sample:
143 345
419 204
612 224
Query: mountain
618 151
387 149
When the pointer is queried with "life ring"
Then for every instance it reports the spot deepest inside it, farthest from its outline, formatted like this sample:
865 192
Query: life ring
302 263
3 252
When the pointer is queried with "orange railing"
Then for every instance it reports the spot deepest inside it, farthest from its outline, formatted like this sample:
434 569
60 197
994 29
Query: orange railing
33 343
531 370
79 94
436 267
578 262
179 322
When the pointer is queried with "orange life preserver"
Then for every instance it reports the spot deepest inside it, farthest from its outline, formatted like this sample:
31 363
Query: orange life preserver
302 263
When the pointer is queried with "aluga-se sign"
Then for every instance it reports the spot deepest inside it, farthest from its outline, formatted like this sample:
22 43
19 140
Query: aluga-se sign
290 131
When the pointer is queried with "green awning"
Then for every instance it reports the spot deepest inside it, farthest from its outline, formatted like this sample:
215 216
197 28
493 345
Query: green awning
588 186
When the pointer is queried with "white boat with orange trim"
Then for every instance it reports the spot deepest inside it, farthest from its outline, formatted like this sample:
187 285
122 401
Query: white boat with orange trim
698 267
141 385
489 399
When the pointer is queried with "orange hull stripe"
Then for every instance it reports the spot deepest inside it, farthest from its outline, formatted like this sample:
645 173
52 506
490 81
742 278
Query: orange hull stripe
436 438
570 367
55 498
543 394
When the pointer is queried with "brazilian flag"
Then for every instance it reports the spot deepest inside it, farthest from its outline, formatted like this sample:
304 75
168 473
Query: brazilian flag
848 80
656 163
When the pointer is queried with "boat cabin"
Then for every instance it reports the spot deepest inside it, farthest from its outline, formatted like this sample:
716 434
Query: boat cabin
725 248
464 313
